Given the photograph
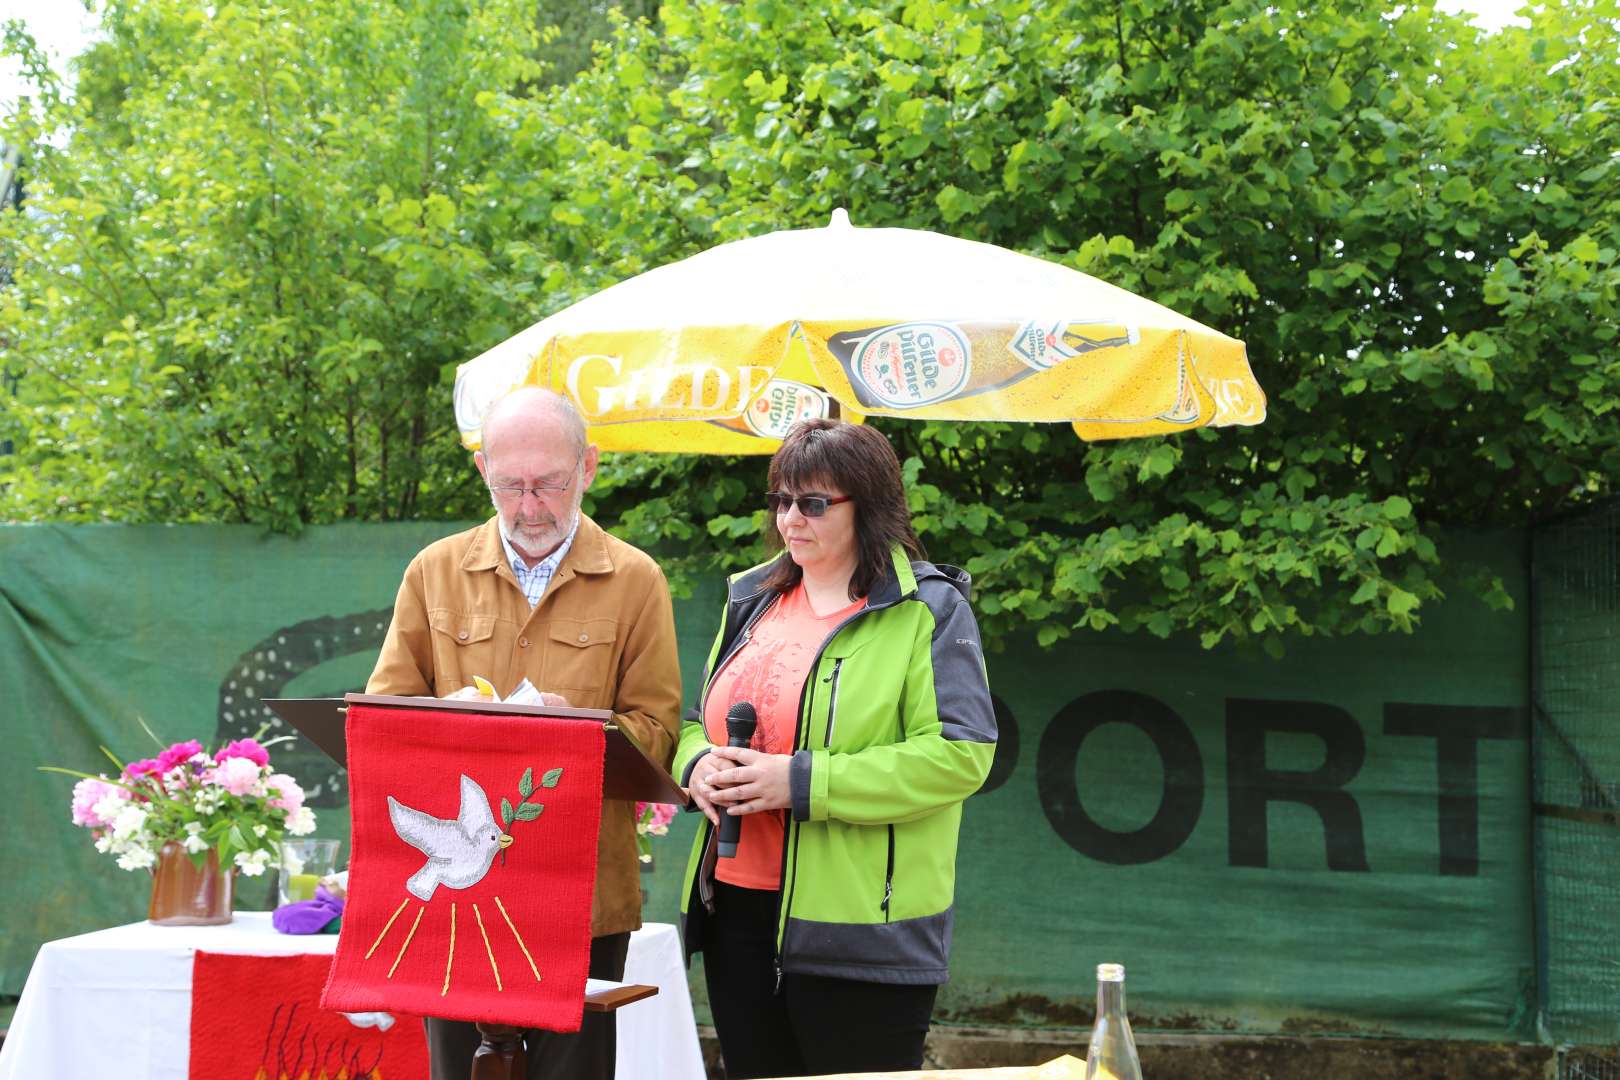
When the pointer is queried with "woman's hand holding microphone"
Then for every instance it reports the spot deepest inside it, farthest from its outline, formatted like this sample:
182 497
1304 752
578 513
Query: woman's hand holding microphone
738 780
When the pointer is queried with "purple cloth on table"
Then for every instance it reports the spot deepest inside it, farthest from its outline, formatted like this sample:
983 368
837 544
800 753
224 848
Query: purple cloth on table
307 916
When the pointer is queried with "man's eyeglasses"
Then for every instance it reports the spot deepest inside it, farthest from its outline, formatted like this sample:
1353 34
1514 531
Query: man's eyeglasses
540 491
810 506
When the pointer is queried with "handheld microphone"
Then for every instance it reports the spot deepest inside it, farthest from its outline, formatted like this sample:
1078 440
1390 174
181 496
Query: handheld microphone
740 721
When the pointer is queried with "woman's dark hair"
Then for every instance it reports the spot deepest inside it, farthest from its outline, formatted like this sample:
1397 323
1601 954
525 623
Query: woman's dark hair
858 461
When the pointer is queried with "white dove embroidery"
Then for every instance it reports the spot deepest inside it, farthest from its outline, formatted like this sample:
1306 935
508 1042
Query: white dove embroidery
459 851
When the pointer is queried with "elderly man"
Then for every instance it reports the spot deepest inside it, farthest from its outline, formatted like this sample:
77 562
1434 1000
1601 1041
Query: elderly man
541 591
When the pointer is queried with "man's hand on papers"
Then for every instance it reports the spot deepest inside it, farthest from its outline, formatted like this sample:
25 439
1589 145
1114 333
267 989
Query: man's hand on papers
525 694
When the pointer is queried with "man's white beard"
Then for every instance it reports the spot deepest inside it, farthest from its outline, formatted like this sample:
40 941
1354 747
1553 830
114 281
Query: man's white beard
540 538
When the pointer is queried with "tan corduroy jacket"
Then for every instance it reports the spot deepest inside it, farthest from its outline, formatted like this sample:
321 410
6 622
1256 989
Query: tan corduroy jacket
603 636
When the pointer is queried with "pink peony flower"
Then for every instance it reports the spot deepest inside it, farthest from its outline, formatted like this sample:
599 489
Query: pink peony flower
236 775
290 797
144 767
244 748
86 793
653 815
177 754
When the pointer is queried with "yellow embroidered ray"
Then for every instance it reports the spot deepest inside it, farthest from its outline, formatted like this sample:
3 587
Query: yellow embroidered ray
450 954
519 937
487 949
386 927
407 942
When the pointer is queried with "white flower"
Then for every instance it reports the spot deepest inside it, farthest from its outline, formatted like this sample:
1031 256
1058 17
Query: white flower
195 844
104 843
260 829
108 806
302 822
136 858
252 863
130 821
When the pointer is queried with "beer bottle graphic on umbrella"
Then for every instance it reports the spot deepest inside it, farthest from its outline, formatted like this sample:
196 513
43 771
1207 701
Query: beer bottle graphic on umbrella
910 365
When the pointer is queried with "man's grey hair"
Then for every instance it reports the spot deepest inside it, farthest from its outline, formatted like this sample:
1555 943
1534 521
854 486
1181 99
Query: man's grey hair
562 408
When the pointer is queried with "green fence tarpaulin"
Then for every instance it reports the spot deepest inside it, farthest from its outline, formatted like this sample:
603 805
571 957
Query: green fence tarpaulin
1576 747
1336 842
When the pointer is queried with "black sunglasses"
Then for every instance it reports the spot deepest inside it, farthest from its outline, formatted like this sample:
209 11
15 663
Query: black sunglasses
809 505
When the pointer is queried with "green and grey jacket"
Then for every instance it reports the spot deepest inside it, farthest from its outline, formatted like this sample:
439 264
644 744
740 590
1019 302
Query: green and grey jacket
895 729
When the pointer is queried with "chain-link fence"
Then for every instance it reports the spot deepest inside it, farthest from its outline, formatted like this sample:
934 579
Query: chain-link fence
1575 575
1582 1063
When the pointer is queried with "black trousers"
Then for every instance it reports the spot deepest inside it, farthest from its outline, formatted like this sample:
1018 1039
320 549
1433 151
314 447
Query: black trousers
816 1024
589 1054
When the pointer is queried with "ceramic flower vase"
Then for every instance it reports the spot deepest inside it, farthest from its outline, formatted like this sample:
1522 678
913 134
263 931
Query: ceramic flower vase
186 895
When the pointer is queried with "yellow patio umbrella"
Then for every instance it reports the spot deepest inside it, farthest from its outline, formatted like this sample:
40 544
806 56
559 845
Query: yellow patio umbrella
723 351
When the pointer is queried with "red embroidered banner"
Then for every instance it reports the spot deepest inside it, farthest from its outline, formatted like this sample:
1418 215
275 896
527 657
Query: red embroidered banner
259 1018
474 840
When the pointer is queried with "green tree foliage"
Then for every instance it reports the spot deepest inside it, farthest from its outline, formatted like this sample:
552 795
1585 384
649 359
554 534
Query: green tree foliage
255 245
570 30
1413 226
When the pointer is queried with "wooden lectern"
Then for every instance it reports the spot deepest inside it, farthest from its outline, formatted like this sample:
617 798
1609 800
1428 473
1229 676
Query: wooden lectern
627 773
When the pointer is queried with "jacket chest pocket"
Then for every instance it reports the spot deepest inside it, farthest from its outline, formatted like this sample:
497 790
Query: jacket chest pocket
579 655
463 646
837 669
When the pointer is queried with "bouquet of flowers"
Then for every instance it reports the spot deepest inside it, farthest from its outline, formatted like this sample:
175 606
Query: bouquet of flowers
230 801
652 819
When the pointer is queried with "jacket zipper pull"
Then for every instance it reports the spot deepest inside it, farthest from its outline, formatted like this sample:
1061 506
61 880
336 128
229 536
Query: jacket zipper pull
888 891
778 990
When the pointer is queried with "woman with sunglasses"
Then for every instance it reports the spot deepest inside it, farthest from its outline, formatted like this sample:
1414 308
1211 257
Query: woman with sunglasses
826 935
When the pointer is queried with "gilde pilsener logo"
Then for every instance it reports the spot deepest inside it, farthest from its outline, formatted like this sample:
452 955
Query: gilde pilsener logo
909 365
782 404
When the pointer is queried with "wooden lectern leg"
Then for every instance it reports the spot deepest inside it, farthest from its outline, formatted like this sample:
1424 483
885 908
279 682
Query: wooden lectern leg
500 1056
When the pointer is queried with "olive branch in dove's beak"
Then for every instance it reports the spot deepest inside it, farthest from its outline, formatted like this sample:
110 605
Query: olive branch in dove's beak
525 810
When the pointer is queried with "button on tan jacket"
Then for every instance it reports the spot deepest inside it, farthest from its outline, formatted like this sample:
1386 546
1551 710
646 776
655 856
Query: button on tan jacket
603 636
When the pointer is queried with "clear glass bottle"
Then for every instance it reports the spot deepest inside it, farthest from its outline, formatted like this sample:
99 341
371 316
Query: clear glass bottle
1112 1053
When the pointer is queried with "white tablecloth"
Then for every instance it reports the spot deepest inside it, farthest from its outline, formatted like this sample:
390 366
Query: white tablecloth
118 1002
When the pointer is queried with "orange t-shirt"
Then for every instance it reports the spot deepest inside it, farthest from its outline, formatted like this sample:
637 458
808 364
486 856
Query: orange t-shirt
768 672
